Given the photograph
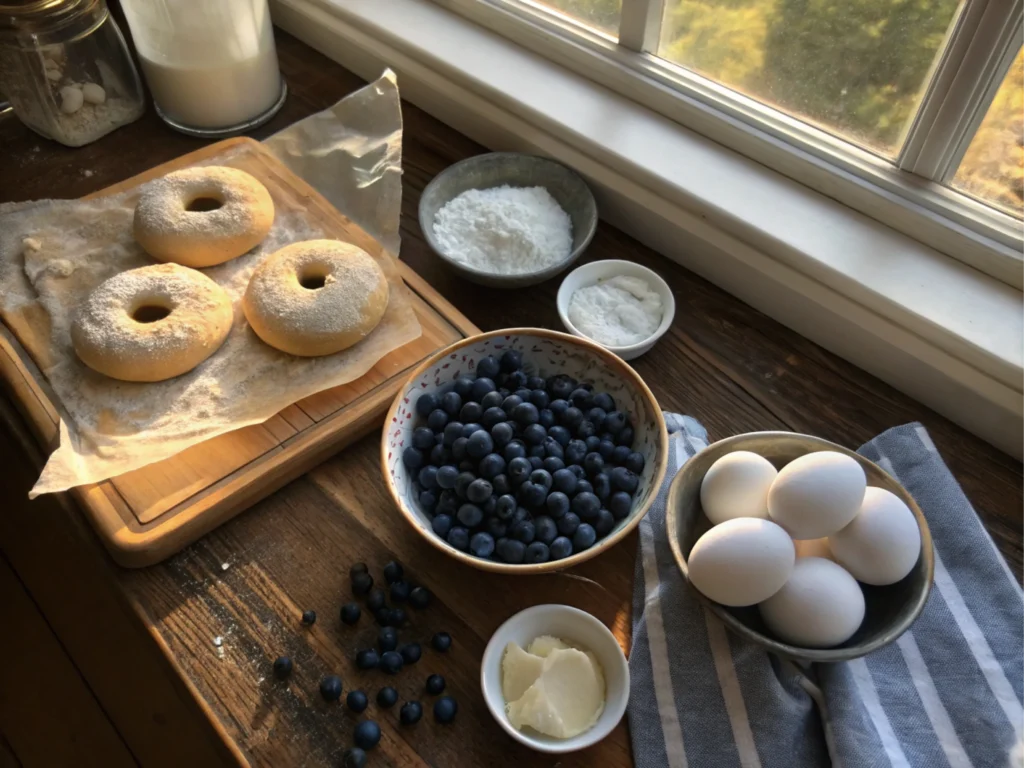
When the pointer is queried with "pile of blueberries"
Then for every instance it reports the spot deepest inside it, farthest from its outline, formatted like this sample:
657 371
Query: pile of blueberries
391 658
520 468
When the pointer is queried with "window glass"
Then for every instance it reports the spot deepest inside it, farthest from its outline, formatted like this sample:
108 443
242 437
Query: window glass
993 168
599 14
852 67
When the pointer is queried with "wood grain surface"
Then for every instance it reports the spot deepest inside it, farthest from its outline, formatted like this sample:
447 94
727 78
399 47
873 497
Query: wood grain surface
722 362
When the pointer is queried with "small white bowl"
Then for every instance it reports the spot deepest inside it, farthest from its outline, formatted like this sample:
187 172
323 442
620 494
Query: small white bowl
573 626
597 271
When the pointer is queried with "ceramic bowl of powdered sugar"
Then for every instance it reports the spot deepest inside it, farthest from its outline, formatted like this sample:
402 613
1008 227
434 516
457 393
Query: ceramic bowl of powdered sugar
506 219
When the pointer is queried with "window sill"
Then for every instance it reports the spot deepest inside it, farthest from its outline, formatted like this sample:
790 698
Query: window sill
931 326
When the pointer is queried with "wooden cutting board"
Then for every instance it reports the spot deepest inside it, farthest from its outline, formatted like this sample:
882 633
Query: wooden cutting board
148 514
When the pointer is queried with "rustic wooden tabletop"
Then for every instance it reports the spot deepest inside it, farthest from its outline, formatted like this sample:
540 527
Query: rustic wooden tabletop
142 643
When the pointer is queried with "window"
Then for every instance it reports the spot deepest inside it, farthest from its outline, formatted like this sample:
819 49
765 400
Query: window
910 111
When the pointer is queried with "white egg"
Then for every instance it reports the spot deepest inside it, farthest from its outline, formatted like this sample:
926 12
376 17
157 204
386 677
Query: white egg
742 561
817 494
819 607
737 486
813 548
882 543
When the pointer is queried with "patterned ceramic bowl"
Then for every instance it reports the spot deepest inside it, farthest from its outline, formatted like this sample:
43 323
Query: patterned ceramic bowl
545 353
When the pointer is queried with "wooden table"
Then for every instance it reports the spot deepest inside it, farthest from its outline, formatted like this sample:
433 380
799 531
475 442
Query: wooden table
126 661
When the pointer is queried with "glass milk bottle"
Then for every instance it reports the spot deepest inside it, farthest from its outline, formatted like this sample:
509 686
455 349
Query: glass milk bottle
210 65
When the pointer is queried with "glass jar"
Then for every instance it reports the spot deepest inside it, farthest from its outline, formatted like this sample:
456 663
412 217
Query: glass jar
211 66
65 69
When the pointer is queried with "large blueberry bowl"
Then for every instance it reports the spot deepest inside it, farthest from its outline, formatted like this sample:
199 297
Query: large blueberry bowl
632 422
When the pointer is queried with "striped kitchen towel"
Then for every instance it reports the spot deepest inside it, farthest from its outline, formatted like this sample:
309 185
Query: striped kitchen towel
947 693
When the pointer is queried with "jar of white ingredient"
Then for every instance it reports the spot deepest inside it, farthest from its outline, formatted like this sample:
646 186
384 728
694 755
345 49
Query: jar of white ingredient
617 312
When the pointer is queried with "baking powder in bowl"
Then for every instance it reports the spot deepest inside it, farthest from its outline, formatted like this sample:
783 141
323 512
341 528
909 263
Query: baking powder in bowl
617 312
504 230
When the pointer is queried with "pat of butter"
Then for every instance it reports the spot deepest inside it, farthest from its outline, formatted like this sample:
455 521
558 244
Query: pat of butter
559 691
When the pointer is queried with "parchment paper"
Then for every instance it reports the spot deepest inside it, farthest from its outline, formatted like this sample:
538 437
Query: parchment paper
54 253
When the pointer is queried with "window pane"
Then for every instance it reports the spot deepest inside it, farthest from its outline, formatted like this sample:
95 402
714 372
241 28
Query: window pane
854 67
599 14
993 168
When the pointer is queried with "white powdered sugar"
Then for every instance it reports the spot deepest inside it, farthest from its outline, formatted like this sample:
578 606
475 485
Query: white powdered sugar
619 311
504 230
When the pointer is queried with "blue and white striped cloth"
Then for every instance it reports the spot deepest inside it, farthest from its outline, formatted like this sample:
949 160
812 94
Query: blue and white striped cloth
947 693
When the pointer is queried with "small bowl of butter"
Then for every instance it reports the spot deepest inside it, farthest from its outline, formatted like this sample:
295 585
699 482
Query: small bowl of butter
555 678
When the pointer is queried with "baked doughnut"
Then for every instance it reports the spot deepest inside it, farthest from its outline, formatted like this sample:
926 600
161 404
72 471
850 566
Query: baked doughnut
203 216
316 298
151 323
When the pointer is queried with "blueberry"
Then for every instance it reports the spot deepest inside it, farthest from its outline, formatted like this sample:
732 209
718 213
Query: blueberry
387 639
564 481
412 458
428 477
542 478
469 429
428 500
561 386
357 568
400 591
581 398
535 382
375 599
625 437
584 537
419 598
515 449
441 525
479 491
492 399
560 548
596 417
397 617
330 688
411 653
635 462
495 527
410 713
593 463
526 413
586 505
586 430
512 552
283 667
492 417
357 701
624 480
462 483
575 451
470 515
350 613
361 583
537 552
521 513
615 422
441 641
482 544
423 438
491 466
621 454
560 435
452 432
508 405
437 420
511 360
481 387
519 469
534 434
435 685
557 504
447 502
546 418
366 734
602 486
445 709
532 495
593 443
502 434
580 472
524 531
386 697
309 617
604 523
470 412
545 529
567 524
354 757
382 616
367 659
535 453
488 367
451 403
515 379
584 486
467 465
604 401
391 662
539 398
506 507
552 464
606 448
558 407
459 449
464 386
480 444
489 506
446 476
426 403
458 537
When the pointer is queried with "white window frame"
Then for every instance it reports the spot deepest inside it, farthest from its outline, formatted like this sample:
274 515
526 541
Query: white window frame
910 196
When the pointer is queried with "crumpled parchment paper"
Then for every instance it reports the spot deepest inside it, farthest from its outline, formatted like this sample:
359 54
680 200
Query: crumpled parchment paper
53 253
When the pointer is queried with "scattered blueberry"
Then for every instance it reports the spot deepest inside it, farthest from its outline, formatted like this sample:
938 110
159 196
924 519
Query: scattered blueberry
397 617
482 544
410 713
393 572
362 583
350 613
375 599
445 709
386 697
357 568
441 641
382 616
367 659
391 662
282 667
330 688
356 701
419 597
309 618
387 639
560 548
411 653
366 734
435 685
354 757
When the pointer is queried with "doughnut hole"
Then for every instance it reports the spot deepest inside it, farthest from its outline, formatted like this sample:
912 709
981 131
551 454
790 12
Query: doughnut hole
313 276
204 204
150 312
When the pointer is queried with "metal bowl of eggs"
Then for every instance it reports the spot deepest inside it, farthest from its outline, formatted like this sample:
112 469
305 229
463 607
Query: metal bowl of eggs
800 545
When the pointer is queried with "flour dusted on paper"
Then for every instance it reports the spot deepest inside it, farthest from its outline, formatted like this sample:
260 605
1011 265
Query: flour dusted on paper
504 230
